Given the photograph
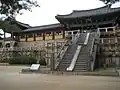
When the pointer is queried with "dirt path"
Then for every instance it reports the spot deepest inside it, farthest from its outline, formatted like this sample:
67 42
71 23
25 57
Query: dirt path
11 79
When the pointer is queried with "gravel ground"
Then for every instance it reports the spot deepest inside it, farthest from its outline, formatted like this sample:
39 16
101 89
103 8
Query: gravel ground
11 79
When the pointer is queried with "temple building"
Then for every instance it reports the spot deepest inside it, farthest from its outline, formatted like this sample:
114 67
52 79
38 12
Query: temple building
82 41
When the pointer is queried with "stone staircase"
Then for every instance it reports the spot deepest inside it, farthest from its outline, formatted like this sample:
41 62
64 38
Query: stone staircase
67 58
82 63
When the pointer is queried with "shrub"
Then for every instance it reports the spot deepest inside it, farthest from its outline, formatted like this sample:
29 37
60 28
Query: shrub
42 62
4 60
22 60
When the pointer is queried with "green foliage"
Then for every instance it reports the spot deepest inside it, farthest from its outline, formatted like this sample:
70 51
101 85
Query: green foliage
8 26
22 60
4 60
12 7
42 62
110 1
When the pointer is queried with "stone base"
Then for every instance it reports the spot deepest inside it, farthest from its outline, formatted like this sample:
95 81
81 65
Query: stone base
29 71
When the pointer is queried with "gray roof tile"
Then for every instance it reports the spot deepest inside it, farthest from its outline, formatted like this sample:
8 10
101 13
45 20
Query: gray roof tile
44 27
92 12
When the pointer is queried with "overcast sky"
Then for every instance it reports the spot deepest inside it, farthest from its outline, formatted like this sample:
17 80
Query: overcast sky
48 9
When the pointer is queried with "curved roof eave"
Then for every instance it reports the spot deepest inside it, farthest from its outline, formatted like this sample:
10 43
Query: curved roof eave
91 12
44 27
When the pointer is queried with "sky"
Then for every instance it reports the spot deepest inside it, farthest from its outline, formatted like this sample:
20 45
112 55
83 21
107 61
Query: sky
48 9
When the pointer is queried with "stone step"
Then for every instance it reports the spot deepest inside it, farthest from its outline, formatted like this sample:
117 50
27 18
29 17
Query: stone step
81 63
82 59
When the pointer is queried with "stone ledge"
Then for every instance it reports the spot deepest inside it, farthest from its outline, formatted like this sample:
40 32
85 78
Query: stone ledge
27 70
114 74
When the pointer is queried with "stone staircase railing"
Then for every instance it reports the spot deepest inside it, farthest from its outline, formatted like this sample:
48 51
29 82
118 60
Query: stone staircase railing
60 55
93 52
64 49
87 38
75 38
91 62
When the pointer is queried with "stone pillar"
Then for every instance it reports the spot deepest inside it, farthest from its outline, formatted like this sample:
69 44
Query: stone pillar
52 59
52 62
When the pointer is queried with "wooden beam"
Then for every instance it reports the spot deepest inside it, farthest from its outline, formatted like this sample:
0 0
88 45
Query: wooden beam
90 24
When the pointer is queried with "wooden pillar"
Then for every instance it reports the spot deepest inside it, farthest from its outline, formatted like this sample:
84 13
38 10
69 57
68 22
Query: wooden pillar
25 37
63 34
53 35
18 37
43 35
81 26
12 35
4 39
34 36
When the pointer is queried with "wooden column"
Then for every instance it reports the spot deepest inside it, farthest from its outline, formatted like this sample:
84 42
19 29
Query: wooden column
43 35
63 34
34 36
4 39
25 37
53 35
12 35
18 37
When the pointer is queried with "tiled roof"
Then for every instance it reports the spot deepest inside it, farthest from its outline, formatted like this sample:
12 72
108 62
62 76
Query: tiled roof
44 27
92 12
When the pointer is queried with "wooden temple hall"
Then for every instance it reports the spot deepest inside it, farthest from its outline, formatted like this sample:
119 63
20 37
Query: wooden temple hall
82 41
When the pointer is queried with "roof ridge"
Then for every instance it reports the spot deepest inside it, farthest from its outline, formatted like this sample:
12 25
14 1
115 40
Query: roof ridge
46 25
91 9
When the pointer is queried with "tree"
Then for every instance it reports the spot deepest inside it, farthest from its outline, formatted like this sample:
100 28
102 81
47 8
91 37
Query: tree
12 7
9 26
110 1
